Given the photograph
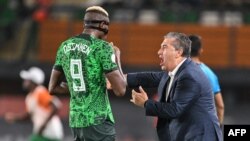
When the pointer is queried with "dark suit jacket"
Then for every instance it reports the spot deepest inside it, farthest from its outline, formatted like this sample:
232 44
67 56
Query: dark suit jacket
189 113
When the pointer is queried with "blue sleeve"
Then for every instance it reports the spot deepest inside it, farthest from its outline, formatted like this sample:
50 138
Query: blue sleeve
212 78
215 84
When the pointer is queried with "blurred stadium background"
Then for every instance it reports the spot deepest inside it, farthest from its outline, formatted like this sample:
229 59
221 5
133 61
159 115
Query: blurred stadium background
32 30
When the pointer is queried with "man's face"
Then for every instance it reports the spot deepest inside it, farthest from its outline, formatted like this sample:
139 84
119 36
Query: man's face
26 84
168 54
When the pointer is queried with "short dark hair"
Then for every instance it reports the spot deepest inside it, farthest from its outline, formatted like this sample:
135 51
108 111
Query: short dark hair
96 14
182 42
196 45
97 9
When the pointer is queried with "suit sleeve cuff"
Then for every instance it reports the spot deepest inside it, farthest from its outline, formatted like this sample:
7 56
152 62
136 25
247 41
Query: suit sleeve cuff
149 106
131 80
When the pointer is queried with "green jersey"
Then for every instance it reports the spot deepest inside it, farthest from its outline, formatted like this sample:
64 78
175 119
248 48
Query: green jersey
84 60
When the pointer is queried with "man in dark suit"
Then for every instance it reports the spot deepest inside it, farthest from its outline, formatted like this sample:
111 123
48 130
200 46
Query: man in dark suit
186 110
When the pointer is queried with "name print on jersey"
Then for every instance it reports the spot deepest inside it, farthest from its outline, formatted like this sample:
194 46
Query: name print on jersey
79 47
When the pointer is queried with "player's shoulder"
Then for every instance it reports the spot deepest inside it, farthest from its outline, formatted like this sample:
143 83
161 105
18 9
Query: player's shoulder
72 39
207 68
99 40
67 41
99 43
208 71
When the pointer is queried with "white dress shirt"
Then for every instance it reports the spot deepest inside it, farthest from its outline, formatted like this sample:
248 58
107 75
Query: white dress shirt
172 75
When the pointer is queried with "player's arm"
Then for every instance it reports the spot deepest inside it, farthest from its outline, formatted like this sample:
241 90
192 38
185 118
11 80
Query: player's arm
219 106
56 84
116 77
217 96
118 58
13 117
117 82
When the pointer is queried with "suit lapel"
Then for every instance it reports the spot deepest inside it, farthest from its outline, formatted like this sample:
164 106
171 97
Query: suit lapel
171 92
162 87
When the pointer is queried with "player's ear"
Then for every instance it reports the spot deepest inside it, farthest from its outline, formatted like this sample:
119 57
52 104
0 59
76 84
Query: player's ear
101 25
201 51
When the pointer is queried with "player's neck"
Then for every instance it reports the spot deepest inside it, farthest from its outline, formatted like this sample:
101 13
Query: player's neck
196 60
90 32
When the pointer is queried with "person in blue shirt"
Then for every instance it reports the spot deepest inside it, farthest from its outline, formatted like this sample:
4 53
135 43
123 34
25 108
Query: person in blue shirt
196 51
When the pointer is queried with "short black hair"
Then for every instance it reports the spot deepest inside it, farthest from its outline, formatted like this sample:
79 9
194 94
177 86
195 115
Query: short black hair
196 45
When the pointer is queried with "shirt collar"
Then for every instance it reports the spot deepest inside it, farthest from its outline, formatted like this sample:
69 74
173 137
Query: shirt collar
172 73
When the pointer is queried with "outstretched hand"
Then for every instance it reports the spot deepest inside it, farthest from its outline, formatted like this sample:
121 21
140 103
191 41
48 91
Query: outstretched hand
139 98
116 49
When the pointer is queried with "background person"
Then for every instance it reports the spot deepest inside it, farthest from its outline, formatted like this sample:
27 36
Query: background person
41 108
196 51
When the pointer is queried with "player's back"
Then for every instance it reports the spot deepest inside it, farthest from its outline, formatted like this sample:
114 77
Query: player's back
84 60
77 60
